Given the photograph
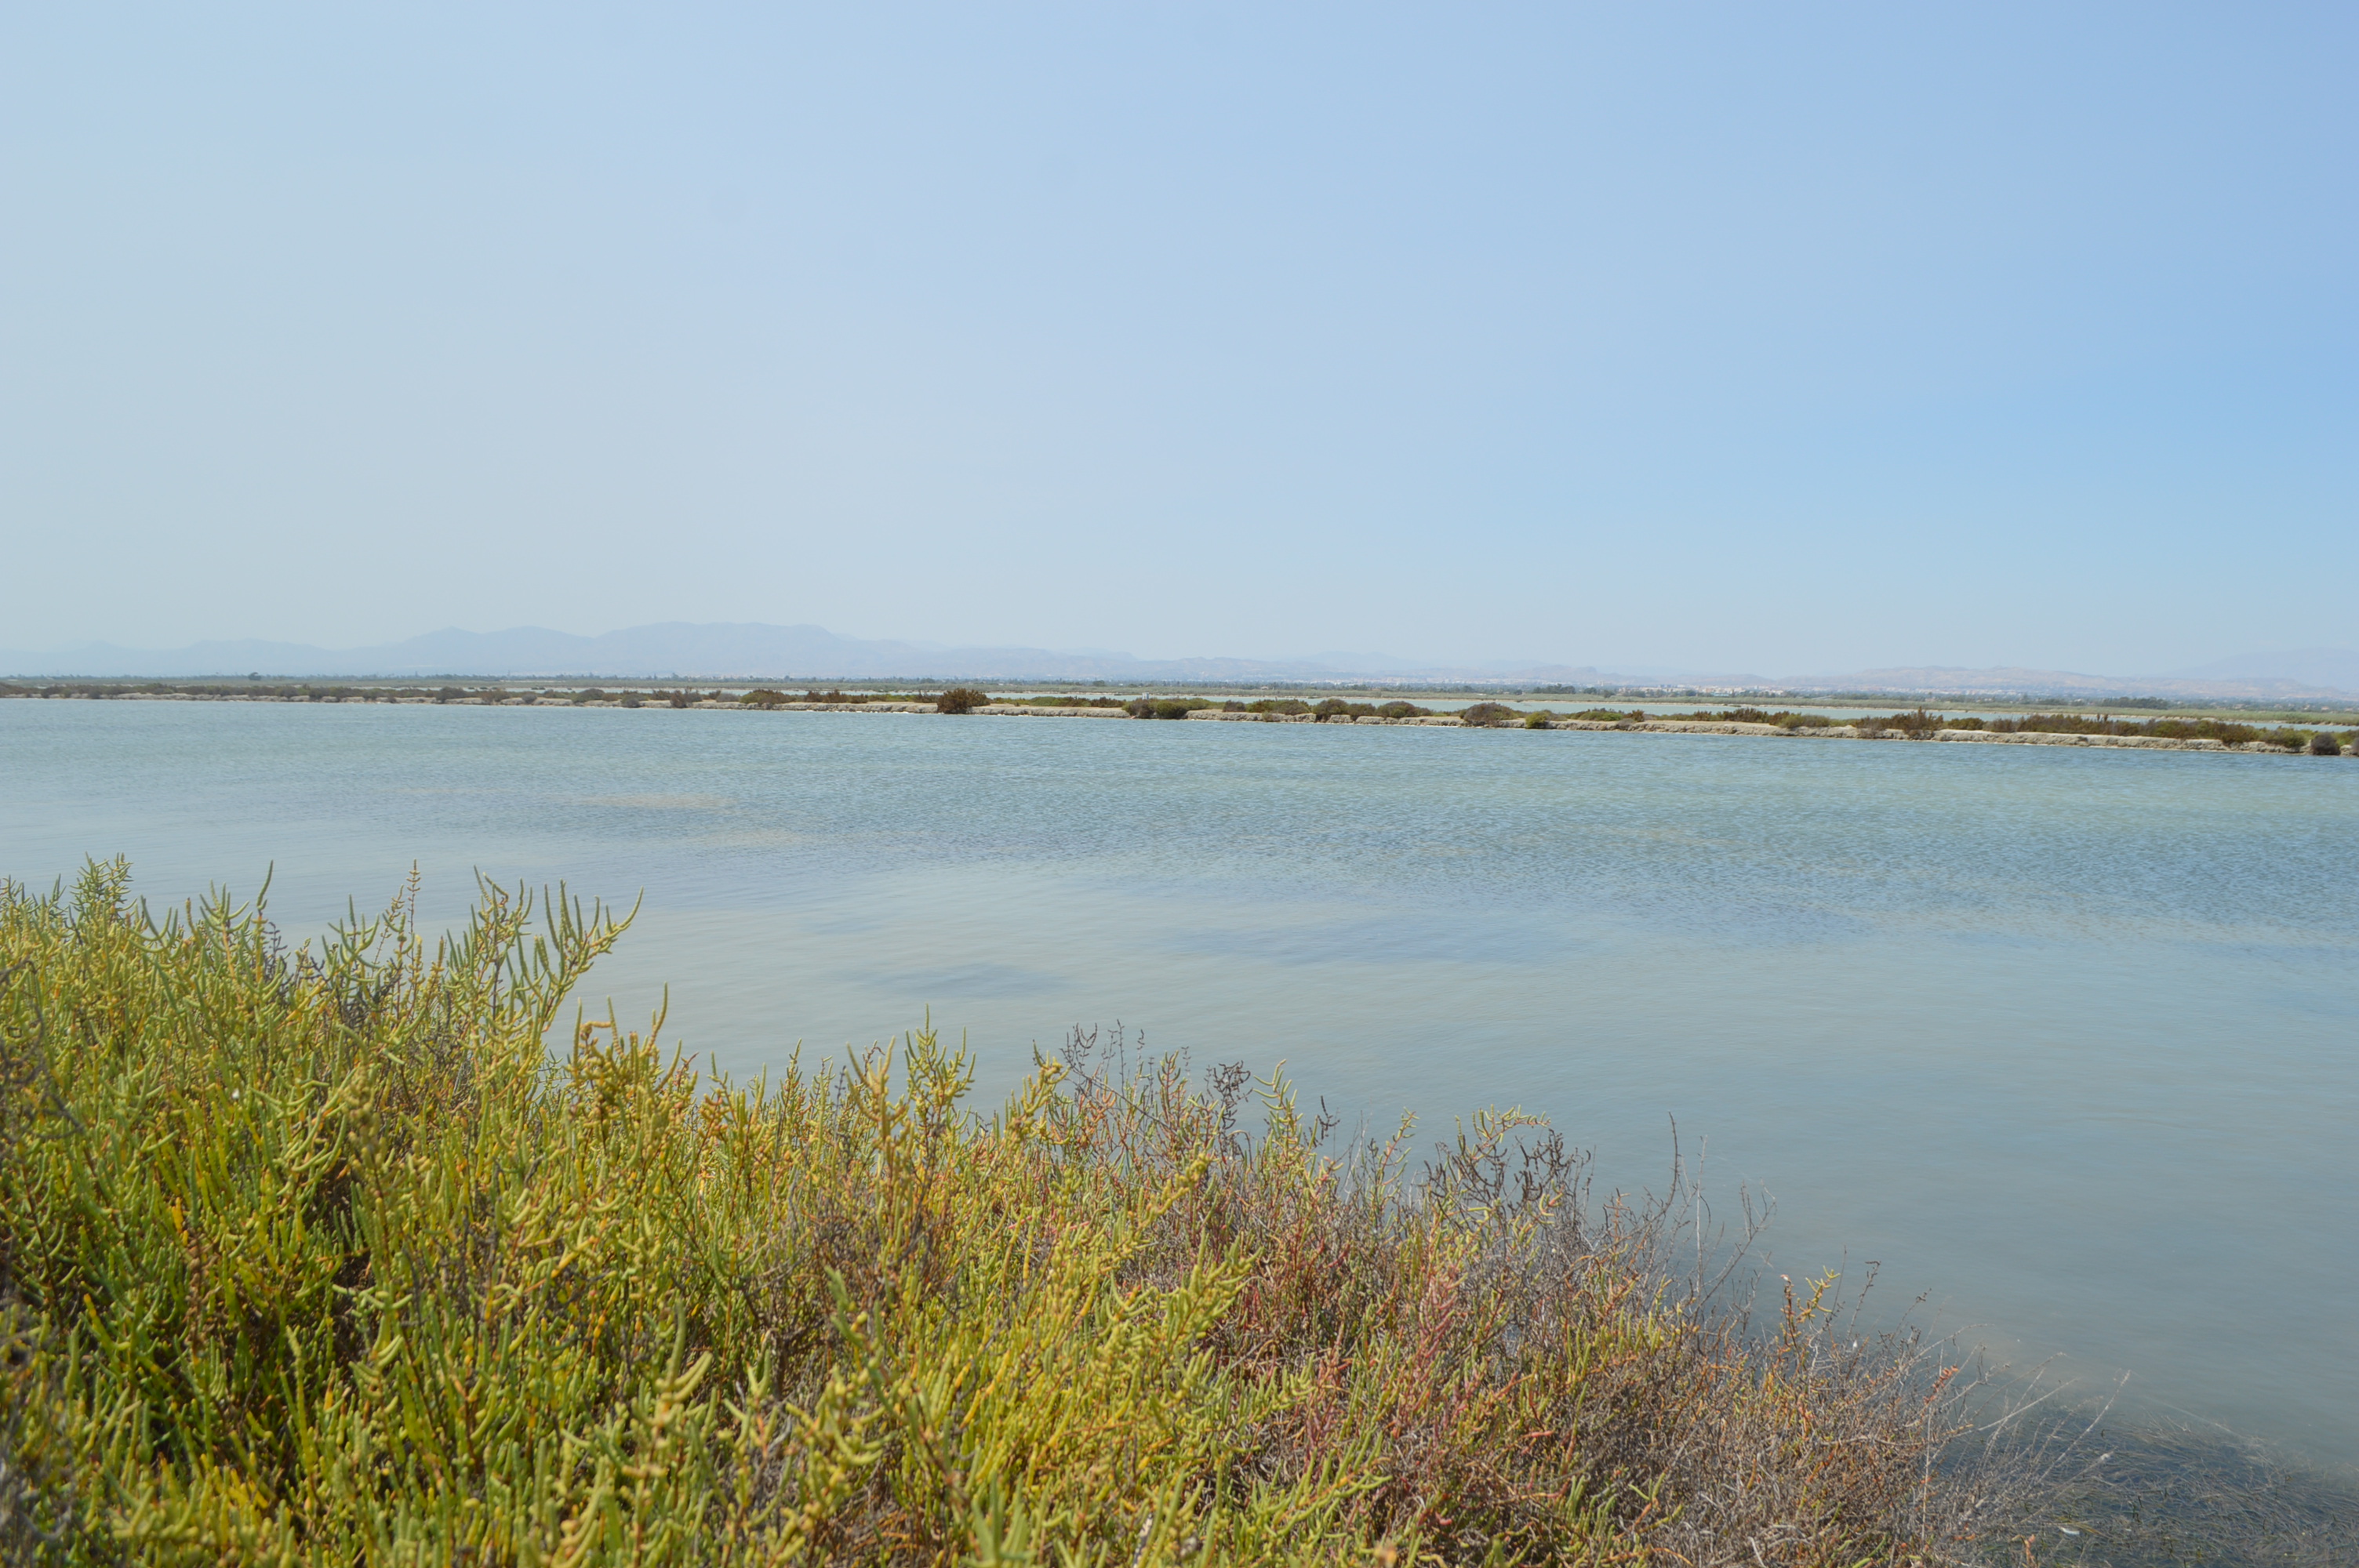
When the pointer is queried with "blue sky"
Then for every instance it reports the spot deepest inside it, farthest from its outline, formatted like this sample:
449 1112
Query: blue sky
1777 339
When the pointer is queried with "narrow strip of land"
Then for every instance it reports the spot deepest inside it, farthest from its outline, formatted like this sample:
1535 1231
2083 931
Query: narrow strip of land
1919 726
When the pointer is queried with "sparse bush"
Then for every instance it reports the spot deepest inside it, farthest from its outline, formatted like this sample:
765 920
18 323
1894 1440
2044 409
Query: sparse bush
961 699
2200 729
1278 705
1485 715
1613 716
2220 730
1403 711
1543 720
1783 719
1918 724
763 696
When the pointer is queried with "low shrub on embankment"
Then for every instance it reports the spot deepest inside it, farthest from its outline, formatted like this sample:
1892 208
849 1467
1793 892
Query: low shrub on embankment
1782 718
1924 721
1920 721
770 696
320 1257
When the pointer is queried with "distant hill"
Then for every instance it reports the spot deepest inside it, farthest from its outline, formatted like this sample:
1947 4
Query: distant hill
1939 680
2331 668
719 652
752 651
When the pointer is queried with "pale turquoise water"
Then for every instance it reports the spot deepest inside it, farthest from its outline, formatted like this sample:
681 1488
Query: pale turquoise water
2067 1039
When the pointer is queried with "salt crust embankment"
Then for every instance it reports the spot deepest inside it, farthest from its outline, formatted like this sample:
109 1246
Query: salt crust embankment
1649 726
1827 732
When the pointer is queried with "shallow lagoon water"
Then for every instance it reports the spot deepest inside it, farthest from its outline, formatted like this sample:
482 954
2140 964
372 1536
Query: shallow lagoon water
2066 1041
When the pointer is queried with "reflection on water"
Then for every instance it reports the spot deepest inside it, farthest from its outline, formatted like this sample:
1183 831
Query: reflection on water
2064 1038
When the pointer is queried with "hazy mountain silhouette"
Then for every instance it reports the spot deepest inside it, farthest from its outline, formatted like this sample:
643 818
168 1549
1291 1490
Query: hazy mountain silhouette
747 650
722 651
2336 667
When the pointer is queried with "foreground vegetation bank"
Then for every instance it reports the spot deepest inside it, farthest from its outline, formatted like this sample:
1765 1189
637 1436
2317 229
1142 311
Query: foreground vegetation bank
2203 733
321 1257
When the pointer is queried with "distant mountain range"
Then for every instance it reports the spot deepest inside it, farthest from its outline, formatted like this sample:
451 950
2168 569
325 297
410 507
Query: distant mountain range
2335 669
1944 681
724 652
752 651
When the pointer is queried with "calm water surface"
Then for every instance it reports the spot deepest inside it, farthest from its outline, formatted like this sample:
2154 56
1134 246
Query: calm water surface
2066 1040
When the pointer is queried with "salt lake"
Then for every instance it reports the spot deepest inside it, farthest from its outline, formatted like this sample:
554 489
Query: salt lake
2066 1041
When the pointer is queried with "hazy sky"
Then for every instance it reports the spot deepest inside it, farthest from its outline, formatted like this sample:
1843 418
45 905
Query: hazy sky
1776 338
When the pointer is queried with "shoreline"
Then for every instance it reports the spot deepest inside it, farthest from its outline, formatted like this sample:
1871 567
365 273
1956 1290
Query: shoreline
1444 721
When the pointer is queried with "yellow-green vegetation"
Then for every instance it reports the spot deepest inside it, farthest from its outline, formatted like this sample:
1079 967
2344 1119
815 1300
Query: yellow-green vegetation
320 1255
